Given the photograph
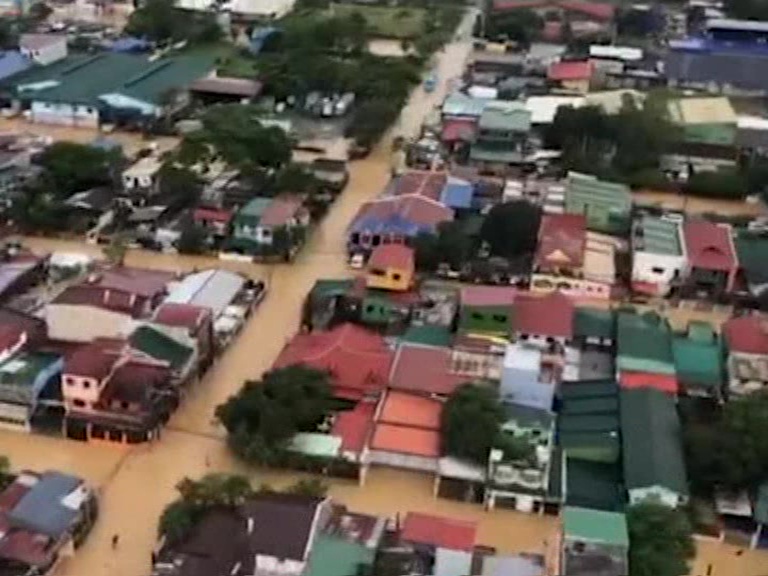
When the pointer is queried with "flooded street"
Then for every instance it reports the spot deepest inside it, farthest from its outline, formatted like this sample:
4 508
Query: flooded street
136 483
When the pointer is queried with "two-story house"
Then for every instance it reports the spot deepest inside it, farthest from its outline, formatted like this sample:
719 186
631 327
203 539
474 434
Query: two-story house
501 139
269 225
746 342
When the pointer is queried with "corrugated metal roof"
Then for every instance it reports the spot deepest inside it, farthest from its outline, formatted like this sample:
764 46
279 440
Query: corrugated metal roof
214 289
42 508
596 526
657 236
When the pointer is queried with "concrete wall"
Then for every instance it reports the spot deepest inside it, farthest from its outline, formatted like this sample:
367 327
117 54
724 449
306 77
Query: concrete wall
64 114
658 269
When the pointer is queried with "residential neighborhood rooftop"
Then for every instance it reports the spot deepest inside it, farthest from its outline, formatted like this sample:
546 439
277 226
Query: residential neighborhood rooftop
657 236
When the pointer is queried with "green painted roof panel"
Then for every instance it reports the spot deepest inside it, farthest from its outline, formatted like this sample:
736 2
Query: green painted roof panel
595 526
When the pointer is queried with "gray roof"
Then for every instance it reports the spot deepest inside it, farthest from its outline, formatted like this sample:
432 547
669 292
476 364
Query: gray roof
42 510
499 115
214 289
743 70
657 236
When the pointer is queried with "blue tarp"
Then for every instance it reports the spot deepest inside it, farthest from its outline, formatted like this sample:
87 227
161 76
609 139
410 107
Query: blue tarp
394 224
12 62
457 193
41 509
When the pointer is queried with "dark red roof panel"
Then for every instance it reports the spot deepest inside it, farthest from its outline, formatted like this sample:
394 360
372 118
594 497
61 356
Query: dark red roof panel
183 315
392 256
562 241
280 210
709 245
550 315
439 531
425 370
355 426
94 360
560 71
747 334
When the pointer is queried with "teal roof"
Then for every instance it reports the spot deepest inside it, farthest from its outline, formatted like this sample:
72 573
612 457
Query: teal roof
595 485
595 323
255 208
85 79
589 417
652 441
22 368
316 444
656 236
697 362
429 335
644 344
160 346
511 116
334 556
596 526
584 189
751 249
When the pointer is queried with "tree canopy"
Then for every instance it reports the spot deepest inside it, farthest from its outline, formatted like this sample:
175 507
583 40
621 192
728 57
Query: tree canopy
521 26
660 540
747 9
511 229
266 414
69 167
471 422
450 245
161 21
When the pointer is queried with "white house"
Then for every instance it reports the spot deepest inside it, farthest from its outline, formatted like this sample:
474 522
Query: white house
143 175
658 255
43 49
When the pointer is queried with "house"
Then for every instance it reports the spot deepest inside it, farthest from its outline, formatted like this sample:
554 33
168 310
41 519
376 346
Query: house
544 321
486 310
426 370
143 176
446 543
458 194
594 543
87 90
614 58
270 533
269 225
354 428
659 261
522 481
543 109
420 182
44 517
707 126
746 342
194 322
729 58
713 263
213 289
24 376
588 426
43 49
574 77
215 221
407 432
458 105
607 205
177 351
594 328
395 220
698 355
106 304
214 89
113 394
644 353
358 359
501 139
19 271
750 251
391 267
652 448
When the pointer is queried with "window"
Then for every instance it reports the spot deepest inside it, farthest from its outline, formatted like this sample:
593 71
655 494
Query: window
69 381
396 276
124 405
657 270
500 318
86 384
523 337
376 272
79 403
477 316
370 308
376 240
355 238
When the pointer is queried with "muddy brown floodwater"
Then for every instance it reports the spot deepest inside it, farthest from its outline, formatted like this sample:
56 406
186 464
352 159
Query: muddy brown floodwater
136 483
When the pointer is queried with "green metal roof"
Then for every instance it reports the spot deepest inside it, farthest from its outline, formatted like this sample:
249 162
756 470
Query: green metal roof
656 236
511 116
597 405
594 485
698 363
589 389
255 208
596 526
429 335
652 441
160 346
327 288
752 250
644 344
593 322
335 556
586 190
83 79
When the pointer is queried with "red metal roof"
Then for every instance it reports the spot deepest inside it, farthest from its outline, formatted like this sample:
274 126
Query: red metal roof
212 215
488 295
132 381
562 241
355 426
139 281
411 410
358 359
560 71
596 10
439 531
183 315
709 245
406 440
664 382
10 336
550 315
107 298
458 129
280 210
392 256
421 182
425 370
414 208
747 334
94 360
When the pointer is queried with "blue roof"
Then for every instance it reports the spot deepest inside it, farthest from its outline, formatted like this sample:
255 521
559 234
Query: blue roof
13 62
130 44
394 224
42 510
457 193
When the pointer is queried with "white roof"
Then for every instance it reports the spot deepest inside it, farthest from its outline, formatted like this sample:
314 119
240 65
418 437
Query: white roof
147 166
214 289
261 7
521 357
544 108
752 123
625 53
483 92
199 5
69 260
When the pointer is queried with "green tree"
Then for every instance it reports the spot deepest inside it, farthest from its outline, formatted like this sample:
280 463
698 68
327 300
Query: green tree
161 21
70 167
747 9
731 184
116 250
6 477
294 178
309 487
521 26
180 184
450 245
660 541
177 521
511 229
266 414
192 239
471 422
